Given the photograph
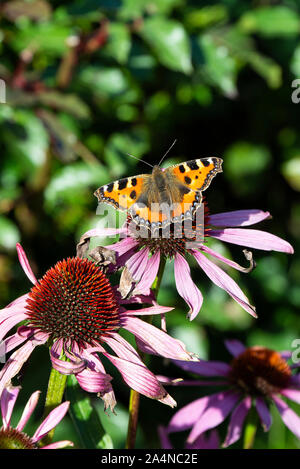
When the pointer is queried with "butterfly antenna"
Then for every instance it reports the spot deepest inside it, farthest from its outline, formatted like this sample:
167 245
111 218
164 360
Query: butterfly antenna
139 159
167 152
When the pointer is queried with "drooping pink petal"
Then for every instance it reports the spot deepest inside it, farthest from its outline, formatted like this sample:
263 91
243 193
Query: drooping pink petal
263 413
256 239
123 246
137 263
205 441
235 347
156 309
8 323
73 366
25 264
188 415
138 377
186 287
28 409
149 275
229 262
11 342
103 232
53 419
16 361
94 381
217 408
289 417
236 421
21 301
293 394
58 444
158 340
238 218
8 399
205 368
222 280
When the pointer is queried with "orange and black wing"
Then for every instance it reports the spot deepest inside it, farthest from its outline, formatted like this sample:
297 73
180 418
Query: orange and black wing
197 174
122 194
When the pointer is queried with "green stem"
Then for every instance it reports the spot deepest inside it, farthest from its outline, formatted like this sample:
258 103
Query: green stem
134 400
55 392
250 429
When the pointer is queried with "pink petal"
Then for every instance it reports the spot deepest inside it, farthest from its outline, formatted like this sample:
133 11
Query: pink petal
16 361
186 287
9 323
74 365
58 444
138 377
235 347
53 419
238 218
8 399
103 232
18 301
204 441
29 408
205 368
218 256
293 394
218 407
188 415
289 417
157 309
263 413
236 422
158 340
253 239
149 275
137 263
25 264
94 381
222 280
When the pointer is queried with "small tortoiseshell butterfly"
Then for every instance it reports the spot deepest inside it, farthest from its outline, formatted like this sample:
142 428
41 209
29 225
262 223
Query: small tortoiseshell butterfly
179 186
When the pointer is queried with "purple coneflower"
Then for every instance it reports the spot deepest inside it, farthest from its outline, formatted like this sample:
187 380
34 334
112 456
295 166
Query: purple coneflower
208 440
14 437
255 377
142 254
76 310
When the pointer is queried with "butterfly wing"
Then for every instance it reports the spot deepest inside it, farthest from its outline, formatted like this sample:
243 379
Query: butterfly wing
122 194
197 174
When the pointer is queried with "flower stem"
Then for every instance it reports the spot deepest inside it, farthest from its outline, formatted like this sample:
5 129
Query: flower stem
250 429
134 400
55 392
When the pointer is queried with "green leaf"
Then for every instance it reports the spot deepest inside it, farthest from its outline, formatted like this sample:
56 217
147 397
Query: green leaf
245 158
119 42
44 37
170 43
69 183
103 82
9 233
132 9
25 137
205 16
85 418
219 66
291 172
271 21
118 145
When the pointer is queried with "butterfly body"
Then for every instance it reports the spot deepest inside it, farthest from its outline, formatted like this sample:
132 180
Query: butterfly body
164 196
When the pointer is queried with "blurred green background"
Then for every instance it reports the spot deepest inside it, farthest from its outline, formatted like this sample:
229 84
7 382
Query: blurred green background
88 81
